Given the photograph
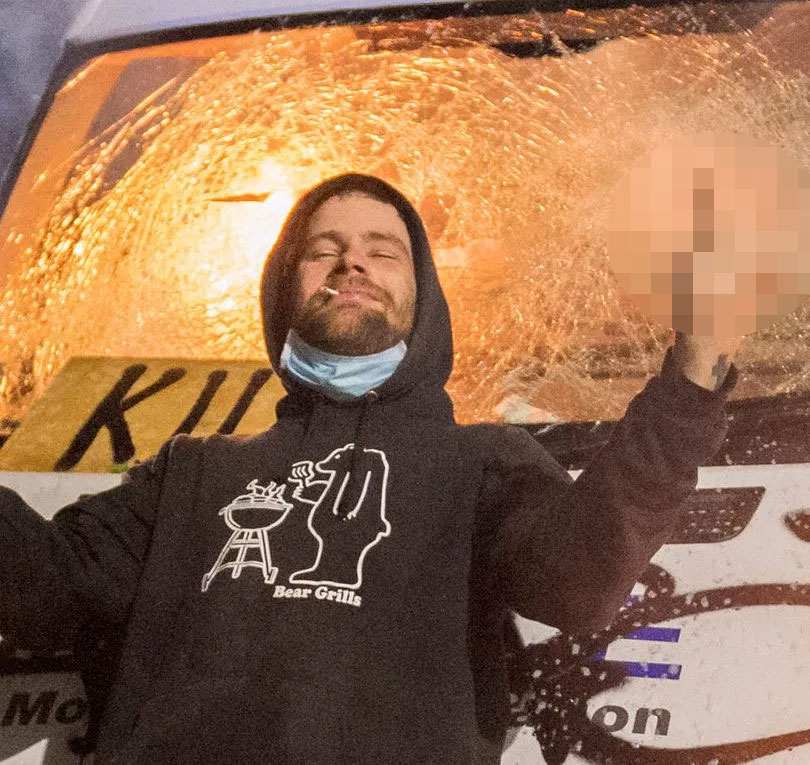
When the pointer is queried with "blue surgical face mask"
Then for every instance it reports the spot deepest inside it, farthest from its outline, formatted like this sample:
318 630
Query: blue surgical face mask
341 377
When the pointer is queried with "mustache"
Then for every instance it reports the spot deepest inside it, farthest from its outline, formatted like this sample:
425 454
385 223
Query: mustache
360 284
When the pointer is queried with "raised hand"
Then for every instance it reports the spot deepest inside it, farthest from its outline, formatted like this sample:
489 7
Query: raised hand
708 234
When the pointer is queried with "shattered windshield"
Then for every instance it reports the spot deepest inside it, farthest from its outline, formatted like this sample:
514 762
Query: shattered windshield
161 176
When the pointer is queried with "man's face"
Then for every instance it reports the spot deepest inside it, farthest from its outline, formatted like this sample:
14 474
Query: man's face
360 247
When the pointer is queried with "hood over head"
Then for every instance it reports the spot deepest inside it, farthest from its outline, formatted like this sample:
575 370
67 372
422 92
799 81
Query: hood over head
429 359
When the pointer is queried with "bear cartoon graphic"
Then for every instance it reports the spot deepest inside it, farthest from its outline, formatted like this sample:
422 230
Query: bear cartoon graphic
345 527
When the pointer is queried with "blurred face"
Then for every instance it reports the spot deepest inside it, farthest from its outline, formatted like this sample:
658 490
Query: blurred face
359 247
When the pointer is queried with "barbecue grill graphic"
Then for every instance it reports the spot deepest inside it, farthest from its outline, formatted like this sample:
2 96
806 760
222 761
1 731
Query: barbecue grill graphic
251 516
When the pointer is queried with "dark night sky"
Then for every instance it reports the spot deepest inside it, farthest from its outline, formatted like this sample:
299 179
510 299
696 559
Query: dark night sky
31 32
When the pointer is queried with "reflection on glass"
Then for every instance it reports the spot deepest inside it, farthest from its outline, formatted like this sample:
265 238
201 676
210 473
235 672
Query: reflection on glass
162 175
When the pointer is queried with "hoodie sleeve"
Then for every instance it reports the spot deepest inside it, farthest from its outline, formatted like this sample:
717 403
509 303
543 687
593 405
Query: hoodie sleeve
56 576
568 553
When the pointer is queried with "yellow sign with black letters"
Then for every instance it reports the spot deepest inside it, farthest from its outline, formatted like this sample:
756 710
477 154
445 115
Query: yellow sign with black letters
101 414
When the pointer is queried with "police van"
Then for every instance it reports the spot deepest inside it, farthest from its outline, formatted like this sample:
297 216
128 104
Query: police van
166 152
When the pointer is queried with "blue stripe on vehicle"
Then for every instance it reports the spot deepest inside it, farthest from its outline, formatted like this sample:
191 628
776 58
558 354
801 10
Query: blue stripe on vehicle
655 634
652 669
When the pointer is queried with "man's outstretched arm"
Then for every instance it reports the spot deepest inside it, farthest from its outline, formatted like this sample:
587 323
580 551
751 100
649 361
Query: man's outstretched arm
56 576
571 552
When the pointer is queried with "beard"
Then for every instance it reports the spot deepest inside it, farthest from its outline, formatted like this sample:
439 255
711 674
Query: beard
353 329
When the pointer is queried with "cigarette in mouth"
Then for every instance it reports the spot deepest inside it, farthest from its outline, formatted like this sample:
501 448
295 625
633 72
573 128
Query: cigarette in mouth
329 291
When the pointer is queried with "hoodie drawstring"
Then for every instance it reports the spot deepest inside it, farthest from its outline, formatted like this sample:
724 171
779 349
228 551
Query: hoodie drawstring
357 471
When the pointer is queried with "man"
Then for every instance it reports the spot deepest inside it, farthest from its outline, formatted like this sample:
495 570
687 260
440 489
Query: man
335 590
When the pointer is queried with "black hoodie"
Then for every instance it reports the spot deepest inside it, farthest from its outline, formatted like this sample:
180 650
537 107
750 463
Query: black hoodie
276 612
